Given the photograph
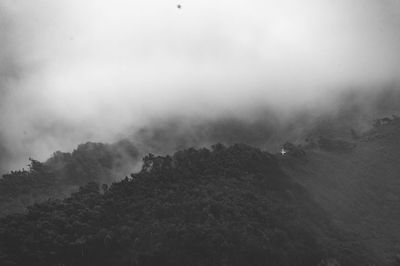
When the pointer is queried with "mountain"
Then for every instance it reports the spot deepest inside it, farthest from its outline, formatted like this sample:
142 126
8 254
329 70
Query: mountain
225 206
332 199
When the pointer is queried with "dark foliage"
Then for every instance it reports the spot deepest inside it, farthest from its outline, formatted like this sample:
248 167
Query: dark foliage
225 206
19 189
63 173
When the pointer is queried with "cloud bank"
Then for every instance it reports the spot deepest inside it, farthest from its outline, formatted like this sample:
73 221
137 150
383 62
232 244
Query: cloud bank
73 71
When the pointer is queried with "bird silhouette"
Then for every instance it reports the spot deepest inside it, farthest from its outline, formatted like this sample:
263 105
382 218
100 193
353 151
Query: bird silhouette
179 6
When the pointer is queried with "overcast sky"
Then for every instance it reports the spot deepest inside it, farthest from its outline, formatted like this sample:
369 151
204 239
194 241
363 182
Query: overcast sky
73 71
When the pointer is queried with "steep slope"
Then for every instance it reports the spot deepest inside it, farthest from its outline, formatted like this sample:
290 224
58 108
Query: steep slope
225 206
359 188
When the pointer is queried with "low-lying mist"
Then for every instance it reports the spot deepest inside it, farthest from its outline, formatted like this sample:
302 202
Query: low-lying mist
259 72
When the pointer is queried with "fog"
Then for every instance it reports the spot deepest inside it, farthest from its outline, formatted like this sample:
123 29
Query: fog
99 70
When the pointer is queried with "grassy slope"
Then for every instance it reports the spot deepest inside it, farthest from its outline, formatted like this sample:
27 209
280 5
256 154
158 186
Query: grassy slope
360 190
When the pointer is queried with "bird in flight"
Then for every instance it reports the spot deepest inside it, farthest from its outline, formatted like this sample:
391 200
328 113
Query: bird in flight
179 6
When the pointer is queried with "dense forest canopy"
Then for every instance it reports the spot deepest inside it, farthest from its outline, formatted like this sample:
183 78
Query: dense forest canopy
224 206
64 172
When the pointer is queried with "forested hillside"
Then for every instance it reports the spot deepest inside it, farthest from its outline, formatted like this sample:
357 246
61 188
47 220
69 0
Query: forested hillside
327 201
63 173
225 206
